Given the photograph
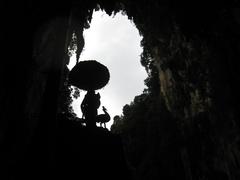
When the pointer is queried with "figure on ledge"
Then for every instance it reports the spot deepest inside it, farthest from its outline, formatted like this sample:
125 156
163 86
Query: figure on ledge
89 106
90 76
103 118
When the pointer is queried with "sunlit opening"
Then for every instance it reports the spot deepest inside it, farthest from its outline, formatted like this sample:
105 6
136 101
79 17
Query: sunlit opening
114 41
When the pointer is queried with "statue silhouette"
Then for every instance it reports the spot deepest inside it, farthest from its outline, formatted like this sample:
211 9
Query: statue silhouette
89 106
90 75
103 118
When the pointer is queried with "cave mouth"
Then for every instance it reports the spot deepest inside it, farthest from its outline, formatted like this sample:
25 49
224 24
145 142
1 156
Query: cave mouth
115 42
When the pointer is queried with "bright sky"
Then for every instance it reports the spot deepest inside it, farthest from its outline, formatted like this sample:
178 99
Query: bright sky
114 42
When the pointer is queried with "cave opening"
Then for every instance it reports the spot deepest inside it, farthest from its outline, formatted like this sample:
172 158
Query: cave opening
115 42
189 129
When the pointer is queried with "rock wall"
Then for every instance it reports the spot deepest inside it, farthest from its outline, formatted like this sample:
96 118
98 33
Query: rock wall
195 47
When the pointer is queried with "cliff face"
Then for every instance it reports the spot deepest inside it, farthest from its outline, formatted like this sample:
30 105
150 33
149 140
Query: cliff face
196 85
196 56
188 128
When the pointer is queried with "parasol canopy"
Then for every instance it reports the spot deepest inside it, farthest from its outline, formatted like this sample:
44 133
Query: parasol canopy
89 75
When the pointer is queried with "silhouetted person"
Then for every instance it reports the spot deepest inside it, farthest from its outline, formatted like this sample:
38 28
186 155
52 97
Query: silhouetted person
89 106
103 118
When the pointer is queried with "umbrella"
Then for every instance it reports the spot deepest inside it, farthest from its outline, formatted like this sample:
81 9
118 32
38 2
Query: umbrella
89 75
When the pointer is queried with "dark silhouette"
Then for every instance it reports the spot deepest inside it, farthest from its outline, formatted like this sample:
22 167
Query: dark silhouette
90 75
103 118
89 106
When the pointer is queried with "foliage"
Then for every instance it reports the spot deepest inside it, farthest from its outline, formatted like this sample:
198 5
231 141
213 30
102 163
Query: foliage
76 93
66 110
142 118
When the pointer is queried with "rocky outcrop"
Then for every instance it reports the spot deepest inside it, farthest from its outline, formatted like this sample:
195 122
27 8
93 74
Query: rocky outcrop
196 51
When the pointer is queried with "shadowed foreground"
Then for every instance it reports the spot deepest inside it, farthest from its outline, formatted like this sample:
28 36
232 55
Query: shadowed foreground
77 153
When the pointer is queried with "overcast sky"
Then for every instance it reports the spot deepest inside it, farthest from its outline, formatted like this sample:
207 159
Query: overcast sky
114 42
